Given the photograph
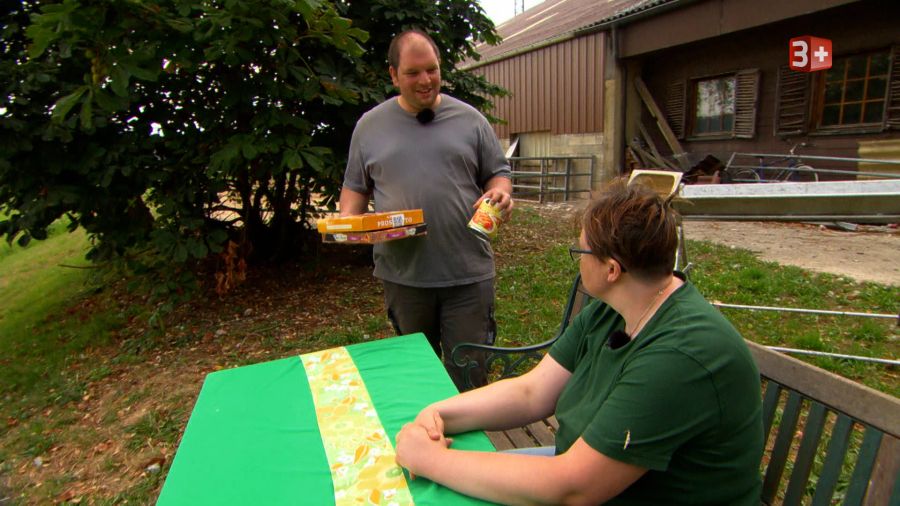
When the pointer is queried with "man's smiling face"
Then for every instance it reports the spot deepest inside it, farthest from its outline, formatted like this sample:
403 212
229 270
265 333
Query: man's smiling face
418 75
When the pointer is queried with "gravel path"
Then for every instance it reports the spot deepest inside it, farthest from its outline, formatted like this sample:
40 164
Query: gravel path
868 254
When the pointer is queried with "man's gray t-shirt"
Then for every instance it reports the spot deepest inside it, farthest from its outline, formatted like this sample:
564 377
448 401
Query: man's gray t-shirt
440 167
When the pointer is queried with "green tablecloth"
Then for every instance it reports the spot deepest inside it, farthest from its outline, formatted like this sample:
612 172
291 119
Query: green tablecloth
254 438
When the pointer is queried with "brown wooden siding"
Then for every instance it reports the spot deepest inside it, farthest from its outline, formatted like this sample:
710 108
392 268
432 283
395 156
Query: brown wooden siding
766 49
558 88
703 20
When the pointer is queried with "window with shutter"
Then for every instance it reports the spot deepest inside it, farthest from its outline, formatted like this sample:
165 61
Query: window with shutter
746 95
859 93
892 115
720 107
713 110
675 107
791 102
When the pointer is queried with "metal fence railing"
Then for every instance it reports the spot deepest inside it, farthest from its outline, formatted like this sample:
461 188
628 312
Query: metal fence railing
774 168
543 176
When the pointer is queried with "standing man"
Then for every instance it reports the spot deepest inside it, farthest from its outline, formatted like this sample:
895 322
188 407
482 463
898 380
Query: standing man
426 150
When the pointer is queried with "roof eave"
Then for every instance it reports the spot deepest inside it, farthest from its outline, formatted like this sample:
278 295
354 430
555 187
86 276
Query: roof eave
615 20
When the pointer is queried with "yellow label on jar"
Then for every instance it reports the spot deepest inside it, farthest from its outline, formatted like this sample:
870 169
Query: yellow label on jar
486 219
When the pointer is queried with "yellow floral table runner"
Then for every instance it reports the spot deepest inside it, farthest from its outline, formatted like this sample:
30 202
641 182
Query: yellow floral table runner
314 429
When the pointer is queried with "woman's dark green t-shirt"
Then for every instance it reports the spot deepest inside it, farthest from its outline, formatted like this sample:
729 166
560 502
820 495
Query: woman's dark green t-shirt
682 399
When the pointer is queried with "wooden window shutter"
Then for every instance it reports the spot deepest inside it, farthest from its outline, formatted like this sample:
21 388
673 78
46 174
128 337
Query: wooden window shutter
892 116
675 107
746 96
791 102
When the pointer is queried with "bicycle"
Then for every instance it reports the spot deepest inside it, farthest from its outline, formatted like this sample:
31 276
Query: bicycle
779 169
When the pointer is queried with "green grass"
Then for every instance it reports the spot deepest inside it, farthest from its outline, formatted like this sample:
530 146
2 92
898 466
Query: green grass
56 228
156 426
532 289
51 310
531 296
47 327
41 336
144 492
737 277
41 332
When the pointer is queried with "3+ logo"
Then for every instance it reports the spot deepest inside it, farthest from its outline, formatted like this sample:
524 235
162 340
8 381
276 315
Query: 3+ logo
809 54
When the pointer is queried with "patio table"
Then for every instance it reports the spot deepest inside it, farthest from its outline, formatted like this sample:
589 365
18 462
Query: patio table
314 429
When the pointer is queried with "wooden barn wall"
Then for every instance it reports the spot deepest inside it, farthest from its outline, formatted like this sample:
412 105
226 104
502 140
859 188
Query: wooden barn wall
703 20
556 89
766 48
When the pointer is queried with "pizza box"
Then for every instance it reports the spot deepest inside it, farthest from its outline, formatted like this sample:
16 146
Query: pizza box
375 236
371 221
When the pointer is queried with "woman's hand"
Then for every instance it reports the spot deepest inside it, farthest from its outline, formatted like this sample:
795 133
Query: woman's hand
431 420
416 449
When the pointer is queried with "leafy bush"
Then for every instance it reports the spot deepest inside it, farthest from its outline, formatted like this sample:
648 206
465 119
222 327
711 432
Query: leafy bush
167 128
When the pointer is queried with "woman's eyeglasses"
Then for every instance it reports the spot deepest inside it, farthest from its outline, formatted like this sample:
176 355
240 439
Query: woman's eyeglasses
575 254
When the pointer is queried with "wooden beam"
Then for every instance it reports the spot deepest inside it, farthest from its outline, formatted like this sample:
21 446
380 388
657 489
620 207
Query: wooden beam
640 154
650 161
649 140
660 118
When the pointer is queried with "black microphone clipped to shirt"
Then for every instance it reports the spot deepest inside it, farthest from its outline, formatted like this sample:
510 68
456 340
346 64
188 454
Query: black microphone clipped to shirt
425 116
617 339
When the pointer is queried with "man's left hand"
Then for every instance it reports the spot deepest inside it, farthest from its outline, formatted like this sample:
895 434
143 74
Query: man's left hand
499 198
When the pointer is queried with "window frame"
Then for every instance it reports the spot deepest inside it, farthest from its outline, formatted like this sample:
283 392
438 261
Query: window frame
819 86
691 111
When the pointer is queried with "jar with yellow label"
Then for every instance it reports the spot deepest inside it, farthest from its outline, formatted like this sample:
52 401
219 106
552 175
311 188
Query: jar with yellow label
486 219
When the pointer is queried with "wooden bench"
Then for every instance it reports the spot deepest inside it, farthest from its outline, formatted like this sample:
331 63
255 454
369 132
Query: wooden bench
829 440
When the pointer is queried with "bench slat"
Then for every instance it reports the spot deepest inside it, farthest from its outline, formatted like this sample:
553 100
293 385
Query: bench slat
863 469
782 447
541 433
895 496
834 459
884 486
865 404
521 438
812 433
500 440
770 405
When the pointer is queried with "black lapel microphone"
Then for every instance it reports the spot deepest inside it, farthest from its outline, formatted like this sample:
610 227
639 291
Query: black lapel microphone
617 339
425 116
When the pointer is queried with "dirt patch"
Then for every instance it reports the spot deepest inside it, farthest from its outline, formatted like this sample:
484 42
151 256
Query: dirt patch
117 441
868 254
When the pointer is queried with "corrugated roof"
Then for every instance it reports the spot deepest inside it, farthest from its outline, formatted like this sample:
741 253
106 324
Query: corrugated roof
557 18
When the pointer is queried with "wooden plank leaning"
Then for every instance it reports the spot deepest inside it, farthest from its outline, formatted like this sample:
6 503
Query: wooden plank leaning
664 127
664 164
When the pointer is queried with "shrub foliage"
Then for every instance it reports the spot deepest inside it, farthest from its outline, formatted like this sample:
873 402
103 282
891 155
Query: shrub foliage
167 127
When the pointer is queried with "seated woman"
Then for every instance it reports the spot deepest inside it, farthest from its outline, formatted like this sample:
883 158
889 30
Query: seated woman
656 394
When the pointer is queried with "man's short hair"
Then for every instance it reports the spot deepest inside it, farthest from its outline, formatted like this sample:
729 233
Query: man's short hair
397 45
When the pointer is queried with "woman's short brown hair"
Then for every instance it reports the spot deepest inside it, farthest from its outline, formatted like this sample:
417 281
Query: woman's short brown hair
634 225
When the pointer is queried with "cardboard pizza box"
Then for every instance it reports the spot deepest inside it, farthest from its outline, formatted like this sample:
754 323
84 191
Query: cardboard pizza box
371 221
375 236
